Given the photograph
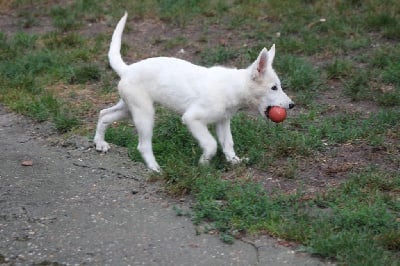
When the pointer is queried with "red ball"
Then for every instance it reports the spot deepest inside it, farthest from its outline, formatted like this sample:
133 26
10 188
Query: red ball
277 114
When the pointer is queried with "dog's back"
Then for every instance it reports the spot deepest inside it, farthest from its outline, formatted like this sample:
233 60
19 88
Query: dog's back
177 83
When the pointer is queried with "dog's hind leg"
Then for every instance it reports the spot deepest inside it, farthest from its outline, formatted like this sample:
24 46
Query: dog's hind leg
143 118
224 135
106 117
200 131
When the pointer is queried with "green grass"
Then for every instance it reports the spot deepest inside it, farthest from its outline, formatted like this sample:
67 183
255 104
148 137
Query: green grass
363 219
339 69
353 45
355 223
302 78
217 56
32 64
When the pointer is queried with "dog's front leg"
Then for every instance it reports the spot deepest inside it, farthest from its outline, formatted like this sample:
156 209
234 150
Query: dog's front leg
224 134
200 131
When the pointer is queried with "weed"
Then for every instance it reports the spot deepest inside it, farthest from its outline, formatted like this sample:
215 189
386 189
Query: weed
289 169
83 74
24 41
180 12
64 121
90 8
391 74
121 135
358 87
53 41
339 69
218 56
301 75
176 42
33 108
385 56
180 212
27 19
385 63
385 22
63 19
389 99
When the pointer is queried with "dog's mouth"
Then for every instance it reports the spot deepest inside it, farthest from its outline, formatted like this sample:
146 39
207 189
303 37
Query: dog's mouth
266 112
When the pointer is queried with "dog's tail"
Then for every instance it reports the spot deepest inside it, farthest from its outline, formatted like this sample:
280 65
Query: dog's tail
114 54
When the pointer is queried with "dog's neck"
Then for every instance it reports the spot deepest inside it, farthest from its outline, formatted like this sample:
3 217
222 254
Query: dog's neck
248 92
238 94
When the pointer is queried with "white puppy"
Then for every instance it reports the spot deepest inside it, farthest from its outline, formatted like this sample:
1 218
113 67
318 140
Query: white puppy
201 95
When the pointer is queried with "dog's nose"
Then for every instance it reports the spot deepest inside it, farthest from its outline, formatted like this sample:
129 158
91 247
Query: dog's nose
291 105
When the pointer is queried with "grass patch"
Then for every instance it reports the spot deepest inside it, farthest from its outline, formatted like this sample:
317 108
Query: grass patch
84 74
300 77
73 16
344 224
339 69
218 56
358 87
363 214
31 63
63 19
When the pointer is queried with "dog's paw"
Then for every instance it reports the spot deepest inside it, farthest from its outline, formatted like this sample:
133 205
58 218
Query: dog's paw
204 160
155 167
102 146
237 160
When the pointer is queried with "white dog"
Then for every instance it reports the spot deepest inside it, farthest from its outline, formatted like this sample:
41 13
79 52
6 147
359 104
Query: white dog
201 95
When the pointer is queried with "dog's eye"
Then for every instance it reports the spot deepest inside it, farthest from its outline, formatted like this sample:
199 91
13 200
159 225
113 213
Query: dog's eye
274 88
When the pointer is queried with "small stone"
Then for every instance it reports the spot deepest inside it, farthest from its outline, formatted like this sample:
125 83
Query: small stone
27 163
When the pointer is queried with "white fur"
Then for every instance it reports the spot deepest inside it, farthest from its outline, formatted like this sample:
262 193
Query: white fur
201 95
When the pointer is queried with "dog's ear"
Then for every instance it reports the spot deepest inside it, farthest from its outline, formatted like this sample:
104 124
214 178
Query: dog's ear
259 67
271 55
261 63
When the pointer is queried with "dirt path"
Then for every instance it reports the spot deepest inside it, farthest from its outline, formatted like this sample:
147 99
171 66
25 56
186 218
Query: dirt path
72 206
